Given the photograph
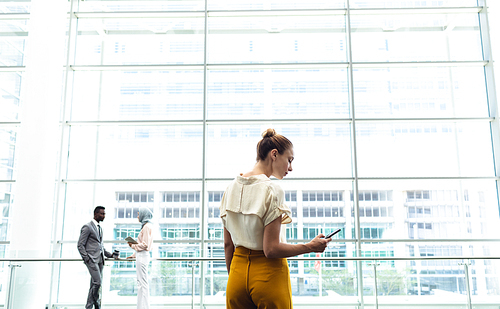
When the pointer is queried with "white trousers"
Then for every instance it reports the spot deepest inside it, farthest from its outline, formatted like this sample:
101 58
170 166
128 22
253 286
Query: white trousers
142 262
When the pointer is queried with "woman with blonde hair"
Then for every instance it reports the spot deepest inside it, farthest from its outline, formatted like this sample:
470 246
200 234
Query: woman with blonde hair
253 214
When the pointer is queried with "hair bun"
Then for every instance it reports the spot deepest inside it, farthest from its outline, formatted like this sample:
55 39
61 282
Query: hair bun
269 133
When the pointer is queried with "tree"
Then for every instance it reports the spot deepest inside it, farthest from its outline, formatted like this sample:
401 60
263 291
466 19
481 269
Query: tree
340 281
164 276
125 285
390 281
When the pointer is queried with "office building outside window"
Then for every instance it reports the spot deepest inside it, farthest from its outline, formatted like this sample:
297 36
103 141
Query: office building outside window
390 106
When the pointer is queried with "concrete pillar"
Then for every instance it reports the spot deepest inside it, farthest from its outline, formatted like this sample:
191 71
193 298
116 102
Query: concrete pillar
36 152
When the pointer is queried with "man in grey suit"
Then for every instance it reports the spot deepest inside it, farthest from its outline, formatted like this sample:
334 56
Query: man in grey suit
93 253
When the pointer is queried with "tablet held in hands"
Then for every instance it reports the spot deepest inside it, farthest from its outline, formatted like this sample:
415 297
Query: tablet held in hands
131 240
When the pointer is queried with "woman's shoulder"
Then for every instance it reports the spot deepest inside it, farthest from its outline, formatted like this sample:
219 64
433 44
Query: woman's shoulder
275 187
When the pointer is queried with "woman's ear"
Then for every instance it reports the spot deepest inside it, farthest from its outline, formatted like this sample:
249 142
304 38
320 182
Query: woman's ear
274 154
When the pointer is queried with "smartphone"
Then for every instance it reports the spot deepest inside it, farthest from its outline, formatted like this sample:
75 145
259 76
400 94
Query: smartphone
333 233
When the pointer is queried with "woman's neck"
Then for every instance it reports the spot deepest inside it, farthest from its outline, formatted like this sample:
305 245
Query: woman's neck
261 167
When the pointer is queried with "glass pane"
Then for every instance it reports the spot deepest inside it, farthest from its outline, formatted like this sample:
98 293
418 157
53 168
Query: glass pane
215 190
274 4
321 150
411 3
276 39
174 279
6 202
8 135
324 278
215 275
135 152
4 277
140 5
14 33
485 281
420 149
420 92
81 198
10 94
275 94
417 37
337 279
430 209
409 278
166 279
19 6
137 95
140 41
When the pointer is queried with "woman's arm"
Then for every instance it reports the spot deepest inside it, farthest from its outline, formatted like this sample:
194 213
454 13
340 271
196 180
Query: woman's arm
274 249
145 239
228 249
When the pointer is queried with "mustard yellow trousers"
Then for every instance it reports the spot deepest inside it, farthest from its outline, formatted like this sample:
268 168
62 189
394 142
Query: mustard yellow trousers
258 282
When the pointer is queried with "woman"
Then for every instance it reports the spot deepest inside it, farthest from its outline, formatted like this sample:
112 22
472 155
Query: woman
142 248
253 211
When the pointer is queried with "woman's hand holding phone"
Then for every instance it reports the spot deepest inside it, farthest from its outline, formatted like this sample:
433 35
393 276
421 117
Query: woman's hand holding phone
318 244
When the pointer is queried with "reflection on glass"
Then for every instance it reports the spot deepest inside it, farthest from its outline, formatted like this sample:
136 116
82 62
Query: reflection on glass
138 152
422 149
274 4
277 94
14 32
21 6
140 41
138 95
8 137
140 6
10 92
276 39
420 92
6 201
417 37
411 4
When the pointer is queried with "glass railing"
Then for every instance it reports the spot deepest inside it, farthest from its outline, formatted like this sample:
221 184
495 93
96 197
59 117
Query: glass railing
427 282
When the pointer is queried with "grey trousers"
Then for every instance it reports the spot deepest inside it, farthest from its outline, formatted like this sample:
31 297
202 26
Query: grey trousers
94 298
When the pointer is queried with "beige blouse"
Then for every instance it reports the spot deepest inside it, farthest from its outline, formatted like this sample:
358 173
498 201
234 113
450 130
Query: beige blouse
248 205
145 239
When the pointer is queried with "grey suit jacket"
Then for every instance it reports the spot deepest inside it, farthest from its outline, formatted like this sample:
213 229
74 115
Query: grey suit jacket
90 245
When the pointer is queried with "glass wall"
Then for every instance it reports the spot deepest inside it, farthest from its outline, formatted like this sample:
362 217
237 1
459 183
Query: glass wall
388 105
14 23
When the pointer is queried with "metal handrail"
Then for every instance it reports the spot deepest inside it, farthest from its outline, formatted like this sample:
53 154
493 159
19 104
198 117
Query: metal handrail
465 261
181 241
220 259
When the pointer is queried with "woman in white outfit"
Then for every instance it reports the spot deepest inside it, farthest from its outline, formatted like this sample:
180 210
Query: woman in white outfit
142 248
